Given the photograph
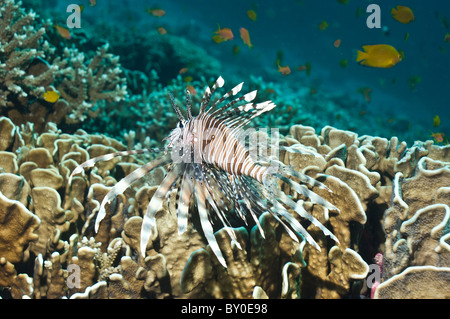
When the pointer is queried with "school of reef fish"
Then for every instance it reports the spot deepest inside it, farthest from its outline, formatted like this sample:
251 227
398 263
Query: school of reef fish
393 198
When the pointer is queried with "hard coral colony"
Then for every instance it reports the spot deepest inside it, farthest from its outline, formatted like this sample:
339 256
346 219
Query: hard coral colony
223 210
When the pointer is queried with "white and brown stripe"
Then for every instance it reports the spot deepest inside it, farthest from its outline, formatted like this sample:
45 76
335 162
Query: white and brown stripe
217 144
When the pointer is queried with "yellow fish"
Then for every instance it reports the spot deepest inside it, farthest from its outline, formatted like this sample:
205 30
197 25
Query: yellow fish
252 15
436 121
378 56
51 96
402 14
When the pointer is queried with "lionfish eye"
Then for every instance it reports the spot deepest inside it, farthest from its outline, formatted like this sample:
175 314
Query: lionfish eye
180 124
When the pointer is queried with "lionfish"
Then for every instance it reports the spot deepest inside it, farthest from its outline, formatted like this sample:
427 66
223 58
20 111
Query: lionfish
207 161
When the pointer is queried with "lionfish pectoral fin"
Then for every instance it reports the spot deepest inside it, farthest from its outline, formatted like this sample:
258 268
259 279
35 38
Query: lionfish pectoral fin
183 204
294 224
149 222
301 189
91 162
304 214
222 218
206 225
124 183
303 178
255 218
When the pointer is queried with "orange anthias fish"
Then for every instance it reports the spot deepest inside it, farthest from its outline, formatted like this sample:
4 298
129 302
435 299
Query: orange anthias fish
93 2
162 31
156 12
183 70
51 96
221 35
337 43
285 70
64 32
402 14
378 56
245 36
191 89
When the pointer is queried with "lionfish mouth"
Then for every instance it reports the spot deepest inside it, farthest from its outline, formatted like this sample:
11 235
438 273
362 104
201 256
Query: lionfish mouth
208 162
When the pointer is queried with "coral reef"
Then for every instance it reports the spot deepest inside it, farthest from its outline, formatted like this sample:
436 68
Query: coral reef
394 200
417 227
61 256
30 66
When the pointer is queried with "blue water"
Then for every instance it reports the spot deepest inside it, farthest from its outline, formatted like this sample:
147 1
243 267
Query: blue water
291 27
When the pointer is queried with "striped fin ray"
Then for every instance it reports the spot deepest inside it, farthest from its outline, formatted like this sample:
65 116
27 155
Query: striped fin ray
174 191
240 112
220 113
277 211
221 216
125 182
175 107
206 225
183 203
237 201
188 104
149 222
224 183
248 112
211 194
301 189
233 91
91 162
221 186
296 226
286 170
303 213
245 197
209 92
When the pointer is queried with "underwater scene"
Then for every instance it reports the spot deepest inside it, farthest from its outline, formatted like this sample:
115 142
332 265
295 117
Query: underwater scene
173 149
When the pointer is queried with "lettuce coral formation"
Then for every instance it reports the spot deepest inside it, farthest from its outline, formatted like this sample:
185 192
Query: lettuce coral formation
57 230
393 199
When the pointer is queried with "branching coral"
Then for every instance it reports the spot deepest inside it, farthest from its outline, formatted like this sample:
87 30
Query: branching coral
19 46
84 83
29 67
